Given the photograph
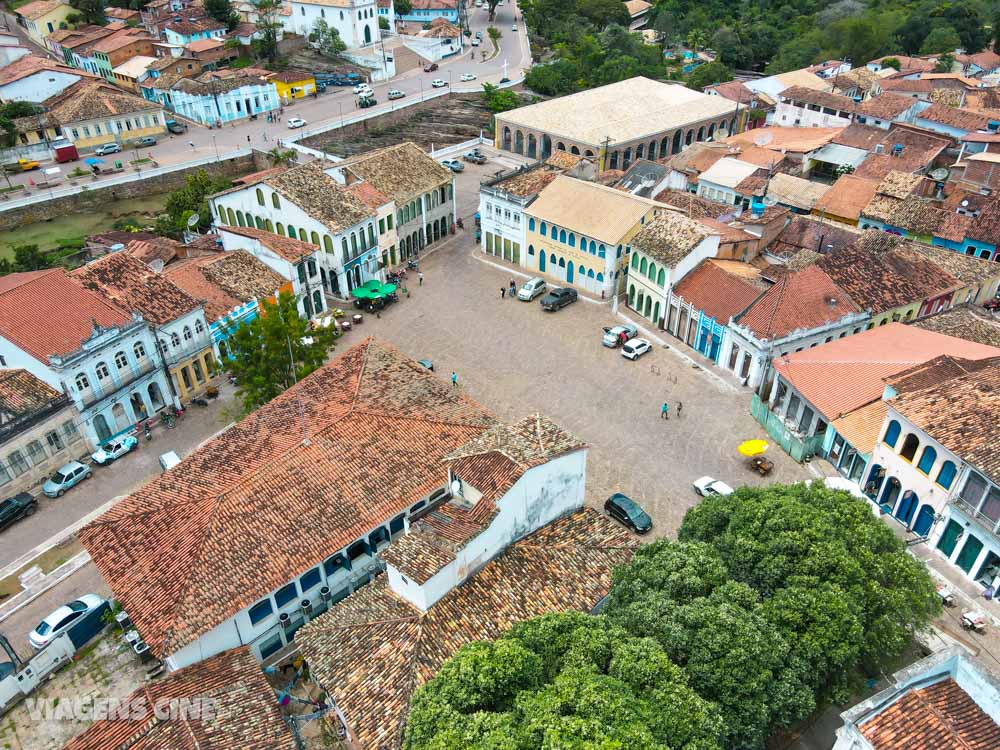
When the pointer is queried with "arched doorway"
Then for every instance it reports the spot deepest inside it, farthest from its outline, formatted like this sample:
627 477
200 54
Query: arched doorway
119 417
651 154
656 312
101 428
518 142
368 34
546 147
505 142
138 406
890 494
925 519
560 146
574 150
688 138
649 306
907 507
541 261
631 295
532 145
357 276
569 273
676 146
875 478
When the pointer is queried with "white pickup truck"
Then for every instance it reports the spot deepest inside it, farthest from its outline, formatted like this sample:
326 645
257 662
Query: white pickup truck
18 679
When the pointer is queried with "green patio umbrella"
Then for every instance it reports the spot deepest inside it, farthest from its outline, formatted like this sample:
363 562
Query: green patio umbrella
373 284
387 288
361 293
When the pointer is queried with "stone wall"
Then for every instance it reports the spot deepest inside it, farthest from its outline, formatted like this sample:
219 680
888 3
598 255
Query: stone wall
93 198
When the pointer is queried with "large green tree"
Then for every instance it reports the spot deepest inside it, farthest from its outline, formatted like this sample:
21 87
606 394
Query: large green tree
188 200
707 74
275 350
223 12
91 11
561 681
941 39
327 39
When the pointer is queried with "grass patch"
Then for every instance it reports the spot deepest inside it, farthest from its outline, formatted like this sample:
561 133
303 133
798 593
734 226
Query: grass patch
48 561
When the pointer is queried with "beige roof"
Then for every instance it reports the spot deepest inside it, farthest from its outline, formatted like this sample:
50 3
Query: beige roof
623 111
794 191
40 8
635 7
861 427
591 209
669 237
785 139
805 79
135 67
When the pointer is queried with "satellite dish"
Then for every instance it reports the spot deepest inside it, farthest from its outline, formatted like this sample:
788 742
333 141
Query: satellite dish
157 265
940 174
965 203
763 138
193 220
456 487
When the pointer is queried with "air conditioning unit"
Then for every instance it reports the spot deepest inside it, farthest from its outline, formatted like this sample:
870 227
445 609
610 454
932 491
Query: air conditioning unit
325 594
879 148
284 619
306 606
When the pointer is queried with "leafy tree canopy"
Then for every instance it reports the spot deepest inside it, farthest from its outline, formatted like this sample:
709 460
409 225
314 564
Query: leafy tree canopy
500 100
707 74
188 200
223 12
275 350
327 39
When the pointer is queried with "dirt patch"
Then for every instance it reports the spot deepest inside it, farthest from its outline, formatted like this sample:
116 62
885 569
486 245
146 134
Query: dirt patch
436 122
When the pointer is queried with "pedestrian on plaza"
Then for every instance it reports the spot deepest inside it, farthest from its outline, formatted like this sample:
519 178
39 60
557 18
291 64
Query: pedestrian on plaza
420 278
665 411
503 291
191 144
513 288
248 139
454 378
679 407
623 338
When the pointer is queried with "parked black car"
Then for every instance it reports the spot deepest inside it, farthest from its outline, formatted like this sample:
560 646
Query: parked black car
558 298
626 511
15 508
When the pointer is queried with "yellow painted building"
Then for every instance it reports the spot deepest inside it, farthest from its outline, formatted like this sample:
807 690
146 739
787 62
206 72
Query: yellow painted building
578 232
42 17
293 84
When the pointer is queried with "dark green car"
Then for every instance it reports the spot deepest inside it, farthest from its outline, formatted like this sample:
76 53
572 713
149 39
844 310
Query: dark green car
626 511
15 508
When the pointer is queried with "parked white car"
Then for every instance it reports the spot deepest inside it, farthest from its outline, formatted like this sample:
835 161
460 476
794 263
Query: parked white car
613 334
438 83
57 623
114 449
635 348
707 486
395 94
362 89
296 122
468 76
531 289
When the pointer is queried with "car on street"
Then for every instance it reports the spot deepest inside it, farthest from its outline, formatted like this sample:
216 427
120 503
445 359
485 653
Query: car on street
626 511
176 127
453 164
361 88
364 102
296 122
635 348
430 67
68 476
558 298
707 486
438 83
613 334
108 148
479 35
114 449
147 140
61 619
468 76
513 27
15 508
476 42
395 94
476 156
531 289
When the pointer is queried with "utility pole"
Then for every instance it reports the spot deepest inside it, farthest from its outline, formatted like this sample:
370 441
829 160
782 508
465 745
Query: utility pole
603 161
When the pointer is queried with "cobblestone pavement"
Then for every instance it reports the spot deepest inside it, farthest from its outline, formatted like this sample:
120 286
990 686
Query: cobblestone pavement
516 360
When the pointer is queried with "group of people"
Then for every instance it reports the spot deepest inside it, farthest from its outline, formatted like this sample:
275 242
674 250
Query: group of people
510 289
665 410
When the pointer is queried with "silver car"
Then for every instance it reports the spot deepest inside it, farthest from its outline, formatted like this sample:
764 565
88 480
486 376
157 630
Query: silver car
613 335
531 289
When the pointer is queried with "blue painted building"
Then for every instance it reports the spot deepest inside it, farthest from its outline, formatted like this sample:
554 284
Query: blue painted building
974 235
425 11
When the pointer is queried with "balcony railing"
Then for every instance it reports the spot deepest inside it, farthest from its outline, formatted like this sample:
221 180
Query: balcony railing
981 519
117 380
175 354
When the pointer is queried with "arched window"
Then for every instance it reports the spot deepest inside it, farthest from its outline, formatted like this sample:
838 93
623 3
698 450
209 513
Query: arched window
910 444
303 235
199 327
651 273
175 340
562 236
600 277
139 350
240 221
542 228
947 475
121 361
635 261
82 383
281 229
102 371
531 224
891 434
354 243
371 235
274 201
259 222
343 245
601 252
562 262
268 225
291 232
232 217
927 459
642 266
315 238
572 240
593 248
187 333
661 278
552 259
553 233
260 196
327 244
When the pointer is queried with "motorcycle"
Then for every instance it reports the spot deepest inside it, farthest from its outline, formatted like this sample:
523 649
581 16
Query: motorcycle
168 421
412 264
199 402
459 223
147 430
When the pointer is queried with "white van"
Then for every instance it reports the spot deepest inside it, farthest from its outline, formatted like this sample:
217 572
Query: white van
169 460
531 289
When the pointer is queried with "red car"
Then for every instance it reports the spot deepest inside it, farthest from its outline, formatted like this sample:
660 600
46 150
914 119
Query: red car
430 67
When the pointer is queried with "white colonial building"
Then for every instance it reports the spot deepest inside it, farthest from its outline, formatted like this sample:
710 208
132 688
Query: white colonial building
355 20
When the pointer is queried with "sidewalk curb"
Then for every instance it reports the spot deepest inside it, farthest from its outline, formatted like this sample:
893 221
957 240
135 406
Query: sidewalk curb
531 276
26 597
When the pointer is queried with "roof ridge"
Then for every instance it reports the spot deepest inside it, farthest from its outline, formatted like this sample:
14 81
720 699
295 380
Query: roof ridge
946 720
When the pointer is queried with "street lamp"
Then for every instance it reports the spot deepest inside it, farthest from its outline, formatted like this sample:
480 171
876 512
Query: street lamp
216 145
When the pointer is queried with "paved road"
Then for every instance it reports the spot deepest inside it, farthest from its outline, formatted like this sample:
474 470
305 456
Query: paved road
338 103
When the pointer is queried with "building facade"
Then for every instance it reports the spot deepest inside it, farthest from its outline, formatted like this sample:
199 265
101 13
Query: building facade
355 20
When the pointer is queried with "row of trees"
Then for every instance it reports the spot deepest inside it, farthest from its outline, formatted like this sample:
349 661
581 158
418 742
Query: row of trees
768 606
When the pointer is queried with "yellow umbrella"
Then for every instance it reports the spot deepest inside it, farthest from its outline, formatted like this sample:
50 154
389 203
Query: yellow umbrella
752 447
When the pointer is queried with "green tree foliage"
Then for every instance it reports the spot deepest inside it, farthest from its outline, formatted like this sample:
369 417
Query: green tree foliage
500 100
327 39
268 27
10 112
891 62
403 7
188 200
280 157
91 11
275 350
940 39
223 12
771 598
561 680
707 74
944 63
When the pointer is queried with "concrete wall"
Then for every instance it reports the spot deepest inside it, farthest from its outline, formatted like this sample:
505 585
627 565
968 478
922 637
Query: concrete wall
39 87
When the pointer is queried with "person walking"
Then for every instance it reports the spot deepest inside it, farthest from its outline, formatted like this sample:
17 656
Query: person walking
503 291
420 278
665 411
679 407
513 289
454 378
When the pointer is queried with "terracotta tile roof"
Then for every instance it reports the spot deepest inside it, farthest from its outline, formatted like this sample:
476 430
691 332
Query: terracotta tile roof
987 59
563 160
848 373
909 64
530 182
314 191
669 237
34 11
367 194
31 64
373 649
291 250
752 185
70 313
801 300
821 98
941 716
986 226
899 184
698 158
199 543
964 322
808 233
847 197
204 45
22 393
194 26
792 140
862 79
736 91
795 191
917 216
885 106
224 282
956 227
244 713
157 248
401 172
121 38
883 271
93 100
963 119
918 86
292 75
131 285
719 294
969 270
861 428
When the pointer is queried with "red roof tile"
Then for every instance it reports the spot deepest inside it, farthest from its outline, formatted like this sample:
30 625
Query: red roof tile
719 294
71 312
289 249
